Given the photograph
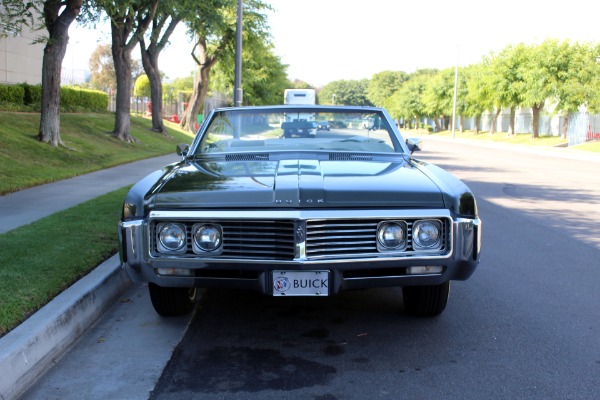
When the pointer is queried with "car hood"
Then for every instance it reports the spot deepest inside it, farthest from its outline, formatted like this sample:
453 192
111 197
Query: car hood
296 184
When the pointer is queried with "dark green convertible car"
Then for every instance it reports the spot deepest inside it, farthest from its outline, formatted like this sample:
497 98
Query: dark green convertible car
250 206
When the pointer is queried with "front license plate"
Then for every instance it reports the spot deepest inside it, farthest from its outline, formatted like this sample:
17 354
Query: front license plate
300 283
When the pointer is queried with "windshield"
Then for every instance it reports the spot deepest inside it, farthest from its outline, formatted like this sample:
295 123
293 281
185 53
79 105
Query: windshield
301 130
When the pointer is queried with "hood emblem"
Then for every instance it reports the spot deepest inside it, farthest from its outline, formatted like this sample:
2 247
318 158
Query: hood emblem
300 235
300 201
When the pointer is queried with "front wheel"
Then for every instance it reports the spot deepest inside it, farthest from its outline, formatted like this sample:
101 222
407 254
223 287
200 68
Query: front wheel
172 301
426 301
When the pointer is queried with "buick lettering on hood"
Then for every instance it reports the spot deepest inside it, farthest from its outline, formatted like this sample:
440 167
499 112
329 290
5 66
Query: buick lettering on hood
258 201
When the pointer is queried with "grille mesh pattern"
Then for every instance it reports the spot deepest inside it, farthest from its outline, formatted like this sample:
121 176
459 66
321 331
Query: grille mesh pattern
328 238
271 240
275 240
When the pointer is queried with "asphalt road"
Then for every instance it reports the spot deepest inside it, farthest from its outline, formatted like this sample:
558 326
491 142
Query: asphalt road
525 326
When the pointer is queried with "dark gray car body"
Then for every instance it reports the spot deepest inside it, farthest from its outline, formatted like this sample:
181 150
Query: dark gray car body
316 202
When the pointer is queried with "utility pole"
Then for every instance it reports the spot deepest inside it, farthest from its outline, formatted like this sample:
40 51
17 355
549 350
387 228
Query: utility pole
455 93
237 90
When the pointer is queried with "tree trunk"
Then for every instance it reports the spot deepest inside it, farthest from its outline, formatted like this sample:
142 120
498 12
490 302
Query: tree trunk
125 36
49 130
195 106
54 53
122 59
565 127
462 124
436 123
535 128
205 62
150 63
511 122
477 123
495 121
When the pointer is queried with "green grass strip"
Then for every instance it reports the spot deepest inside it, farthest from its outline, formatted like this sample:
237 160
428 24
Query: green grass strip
40 260
25 162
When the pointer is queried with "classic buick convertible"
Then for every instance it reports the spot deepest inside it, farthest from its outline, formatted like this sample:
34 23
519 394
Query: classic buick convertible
250 206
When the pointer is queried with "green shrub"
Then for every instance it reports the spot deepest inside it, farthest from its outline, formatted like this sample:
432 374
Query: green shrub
77 99
32 94
28 98
12 94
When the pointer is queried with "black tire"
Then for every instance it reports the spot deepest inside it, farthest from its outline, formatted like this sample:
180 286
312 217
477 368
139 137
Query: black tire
426 301
172 301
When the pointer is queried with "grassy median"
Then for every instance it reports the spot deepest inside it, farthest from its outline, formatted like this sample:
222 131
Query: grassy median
25 162
40 260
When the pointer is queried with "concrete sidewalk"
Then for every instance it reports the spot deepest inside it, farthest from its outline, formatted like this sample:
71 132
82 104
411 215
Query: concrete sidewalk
31 348
24 207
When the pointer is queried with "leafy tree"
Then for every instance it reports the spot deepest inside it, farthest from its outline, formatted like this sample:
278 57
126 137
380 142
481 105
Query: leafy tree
478 92
299 84
102 69
543 71
129 20
345 92
166 19
214 31
505 82
407 102
56 16
438 96
383 85
580 85
141 88
263 75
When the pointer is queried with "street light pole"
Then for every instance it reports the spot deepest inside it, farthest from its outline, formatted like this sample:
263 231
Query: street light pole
237 90
455 95
333 99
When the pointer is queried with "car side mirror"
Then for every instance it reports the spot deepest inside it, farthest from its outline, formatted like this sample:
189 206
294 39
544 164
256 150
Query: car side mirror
182 150
414 144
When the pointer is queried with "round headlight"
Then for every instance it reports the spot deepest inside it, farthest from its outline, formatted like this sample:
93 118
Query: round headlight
427 234
391 235
207 237
172 236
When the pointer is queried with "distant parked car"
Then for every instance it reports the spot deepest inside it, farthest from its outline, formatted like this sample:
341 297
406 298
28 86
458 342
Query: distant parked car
323 126
250 207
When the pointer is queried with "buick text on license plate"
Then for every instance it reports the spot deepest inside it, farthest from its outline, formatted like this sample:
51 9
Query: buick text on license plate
300 283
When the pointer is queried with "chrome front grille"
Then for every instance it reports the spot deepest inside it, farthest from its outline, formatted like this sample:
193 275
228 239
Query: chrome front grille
330 238
286 240
267 240
258 239
338 238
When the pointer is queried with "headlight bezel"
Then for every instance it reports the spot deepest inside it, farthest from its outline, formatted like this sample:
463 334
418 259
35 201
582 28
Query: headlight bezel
199 248
387 227
417 242
163 246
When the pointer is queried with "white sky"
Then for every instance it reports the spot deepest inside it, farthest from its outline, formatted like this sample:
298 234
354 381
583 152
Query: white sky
327 40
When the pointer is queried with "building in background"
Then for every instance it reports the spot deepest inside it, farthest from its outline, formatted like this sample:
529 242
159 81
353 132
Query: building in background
20 60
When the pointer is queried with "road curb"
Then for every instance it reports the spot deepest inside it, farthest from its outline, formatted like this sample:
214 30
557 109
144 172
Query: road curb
36 344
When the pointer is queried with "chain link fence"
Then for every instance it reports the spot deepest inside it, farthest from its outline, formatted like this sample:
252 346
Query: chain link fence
173 108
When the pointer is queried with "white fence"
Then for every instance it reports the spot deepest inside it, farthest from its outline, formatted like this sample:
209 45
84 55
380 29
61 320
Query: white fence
580 127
